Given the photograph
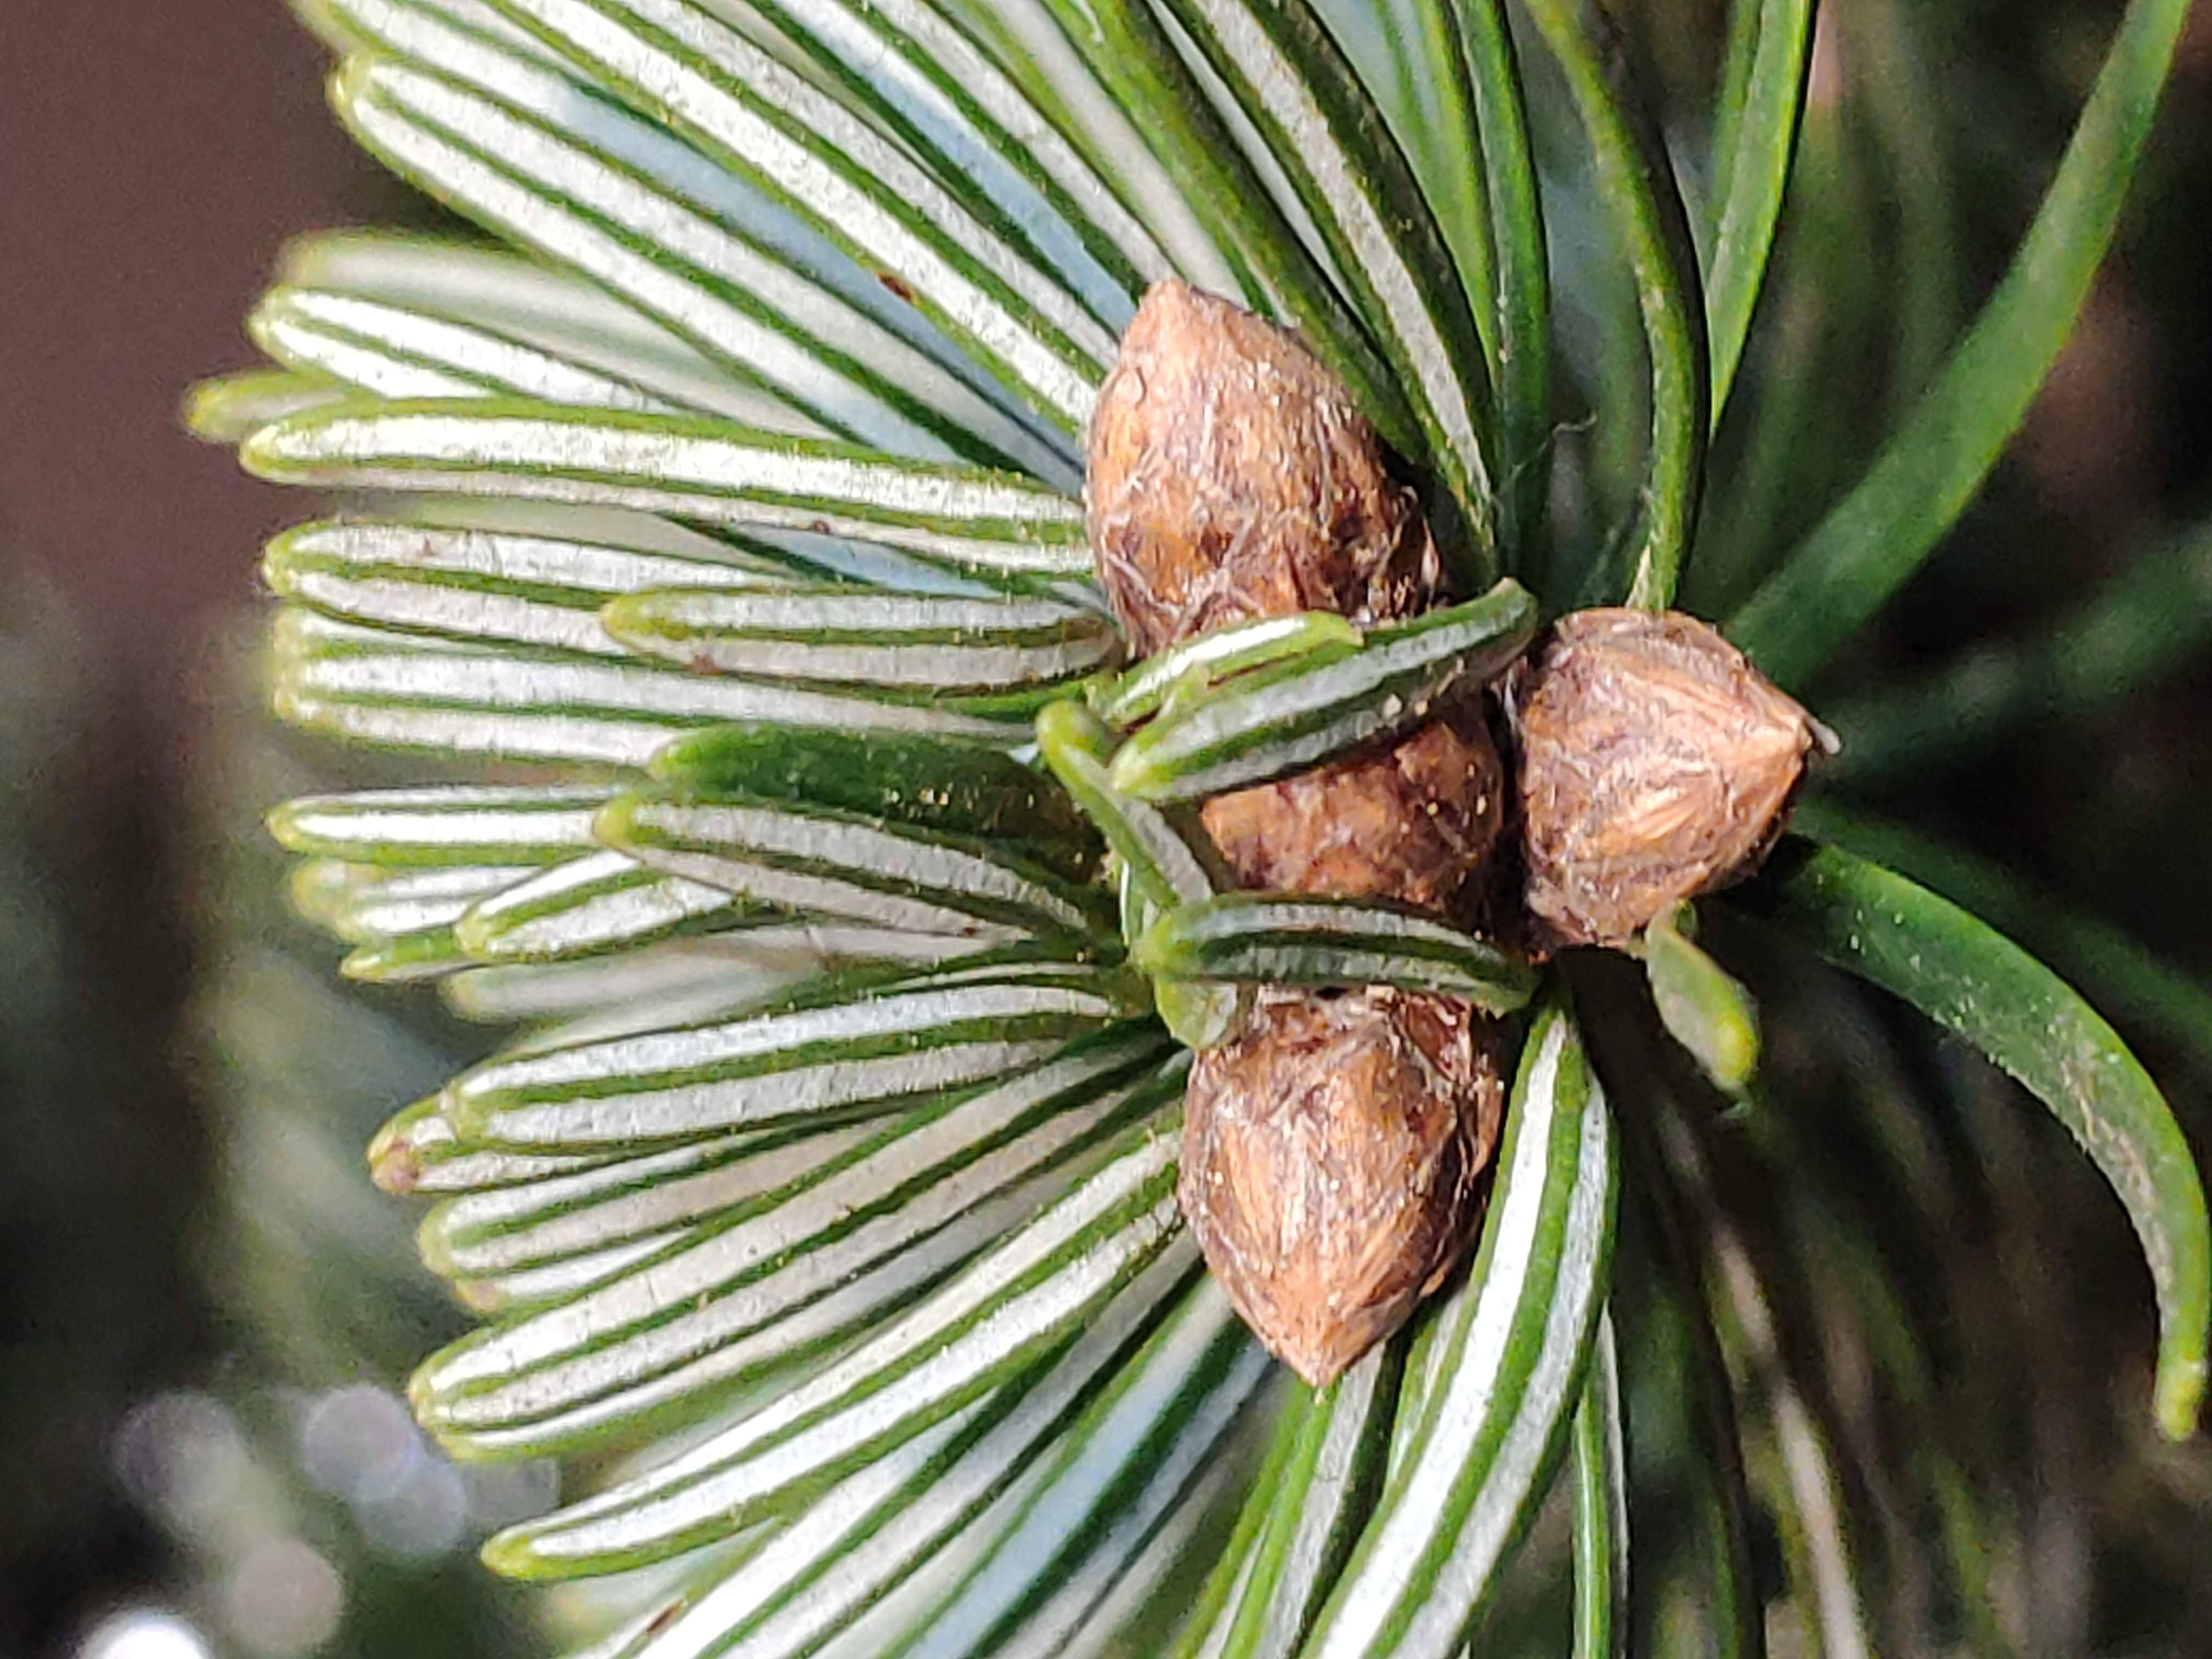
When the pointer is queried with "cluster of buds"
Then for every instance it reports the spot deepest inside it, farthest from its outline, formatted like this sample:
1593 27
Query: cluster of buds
1335 1146
1232 477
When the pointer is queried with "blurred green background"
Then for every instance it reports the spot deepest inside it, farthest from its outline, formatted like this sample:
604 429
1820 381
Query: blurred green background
203 1308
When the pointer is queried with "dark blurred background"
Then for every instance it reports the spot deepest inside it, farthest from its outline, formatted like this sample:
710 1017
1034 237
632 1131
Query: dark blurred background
201 1452
198 1448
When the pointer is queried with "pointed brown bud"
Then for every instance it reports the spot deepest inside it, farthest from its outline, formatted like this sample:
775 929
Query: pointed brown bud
1331 1153
1231 476
1656 764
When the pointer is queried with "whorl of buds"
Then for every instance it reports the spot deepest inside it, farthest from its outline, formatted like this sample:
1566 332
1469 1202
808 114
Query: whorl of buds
1330 1157
1656 764
1333 1147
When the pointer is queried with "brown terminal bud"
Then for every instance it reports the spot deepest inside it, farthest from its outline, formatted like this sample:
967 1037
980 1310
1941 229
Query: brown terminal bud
1656 764
1331 1151
1231 476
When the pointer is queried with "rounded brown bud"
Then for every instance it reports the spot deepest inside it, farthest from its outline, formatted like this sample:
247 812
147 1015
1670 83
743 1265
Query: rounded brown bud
1412 821
1656 764
1231 476
1330 1156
